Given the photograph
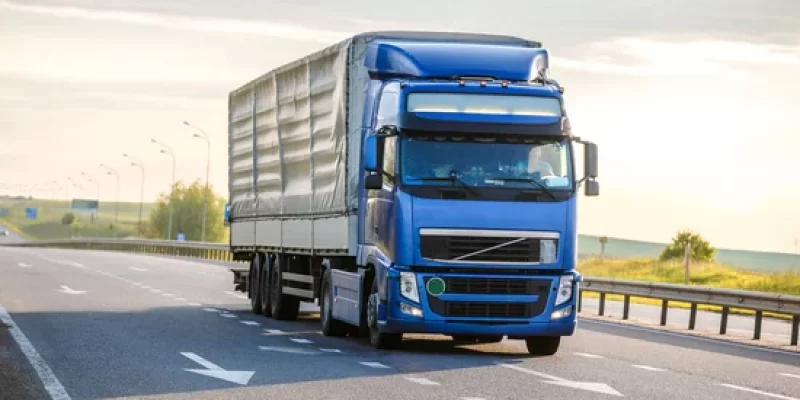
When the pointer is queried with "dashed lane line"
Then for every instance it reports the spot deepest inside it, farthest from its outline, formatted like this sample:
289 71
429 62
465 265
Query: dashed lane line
648 368
587 355
373 364
421 381
250 323
300 340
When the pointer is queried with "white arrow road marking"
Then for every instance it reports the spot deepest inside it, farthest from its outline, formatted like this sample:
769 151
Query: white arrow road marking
744 389
790 375
293 350
23 265
138 269
215 371
67 290
596 387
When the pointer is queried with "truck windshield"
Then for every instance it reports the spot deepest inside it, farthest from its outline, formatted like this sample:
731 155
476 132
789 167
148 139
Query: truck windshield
490 161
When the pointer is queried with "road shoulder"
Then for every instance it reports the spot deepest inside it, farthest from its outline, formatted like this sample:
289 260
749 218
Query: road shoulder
17 378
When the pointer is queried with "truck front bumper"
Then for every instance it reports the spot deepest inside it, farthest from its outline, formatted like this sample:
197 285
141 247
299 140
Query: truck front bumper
508 305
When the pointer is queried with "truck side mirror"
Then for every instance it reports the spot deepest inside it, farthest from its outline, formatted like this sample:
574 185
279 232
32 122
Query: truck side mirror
592 188
590 160
373 182
372 147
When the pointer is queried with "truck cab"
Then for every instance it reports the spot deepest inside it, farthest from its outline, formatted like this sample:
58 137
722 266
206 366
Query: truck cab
469 196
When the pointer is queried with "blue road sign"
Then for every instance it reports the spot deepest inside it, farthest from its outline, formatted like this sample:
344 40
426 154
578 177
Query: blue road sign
30 213
181 237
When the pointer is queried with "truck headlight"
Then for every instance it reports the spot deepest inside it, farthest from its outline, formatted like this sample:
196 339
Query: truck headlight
564 294
547 251
408 286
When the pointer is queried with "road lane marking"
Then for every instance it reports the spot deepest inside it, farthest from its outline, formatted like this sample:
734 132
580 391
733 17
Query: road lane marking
68 290
156 290
587 355
300 340
648 368
421 381
215 371
46 375
23 265
227 315
373 364
597 387
250 323
274 331
180 299
330 350
137 269
744 389
292 350
719 341
195 304
209 309
168 295
790 375
472 398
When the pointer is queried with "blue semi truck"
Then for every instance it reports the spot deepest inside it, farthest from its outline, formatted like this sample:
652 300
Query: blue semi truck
411 182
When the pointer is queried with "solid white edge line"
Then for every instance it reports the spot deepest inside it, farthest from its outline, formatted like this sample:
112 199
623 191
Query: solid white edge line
51 384
768 394
720 341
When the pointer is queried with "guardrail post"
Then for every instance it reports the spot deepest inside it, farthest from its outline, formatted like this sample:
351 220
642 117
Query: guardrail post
757 330
580 300
602 308
723 322
626 306
664 308
795 329
692 316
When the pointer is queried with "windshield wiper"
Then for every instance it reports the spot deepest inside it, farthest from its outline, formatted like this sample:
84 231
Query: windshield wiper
527 180
453 178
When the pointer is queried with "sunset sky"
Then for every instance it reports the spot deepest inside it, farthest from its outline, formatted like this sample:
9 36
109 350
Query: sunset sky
695 105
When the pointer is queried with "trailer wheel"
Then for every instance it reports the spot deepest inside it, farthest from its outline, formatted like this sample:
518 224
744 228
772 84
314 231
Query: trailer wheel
542 345
378 339
284 307
263 292
330 326
254 287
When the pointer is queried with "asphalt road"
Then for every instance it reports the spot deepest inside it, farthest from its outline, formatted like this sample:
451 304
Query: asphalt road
11 238
114 325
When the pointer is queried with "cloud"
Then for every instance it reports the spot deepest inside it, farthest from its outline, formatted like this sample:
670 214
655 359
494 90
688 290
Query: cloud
643 56
205 24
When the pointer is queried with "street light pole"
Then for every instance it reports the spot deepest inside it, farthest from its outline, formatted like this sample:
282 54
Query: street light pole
168 150
97 183
140 165
113 172
203 135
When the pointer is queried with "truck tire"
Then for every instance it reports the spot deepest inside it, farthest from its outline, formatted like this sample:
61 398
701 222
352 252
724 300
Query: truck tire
330 326
542 345
378 339
254 287
283 306
263 293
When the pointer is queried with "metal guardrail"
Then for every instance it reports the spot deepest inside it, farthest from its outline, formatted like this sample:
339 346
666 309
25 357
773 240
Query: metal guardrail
727 299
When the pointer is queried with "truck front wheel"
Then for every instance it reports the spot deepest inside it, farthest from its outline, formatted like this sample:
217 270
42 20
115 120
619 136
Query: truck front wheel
378 339
543 345
264 293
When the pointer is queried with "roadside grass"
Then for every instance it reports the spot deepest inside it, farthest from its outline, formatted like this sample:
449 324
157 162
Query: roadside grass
700 274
